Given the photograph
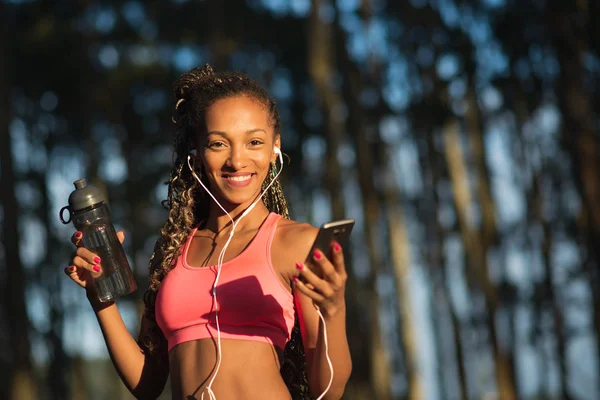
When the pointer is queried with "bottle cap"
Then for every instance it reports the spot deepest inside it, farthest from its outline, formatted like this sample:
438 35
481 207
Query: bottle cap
84 196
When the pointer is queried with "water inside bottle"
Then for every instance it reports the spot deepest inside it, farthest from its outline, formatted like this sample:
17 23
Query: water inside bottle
116 279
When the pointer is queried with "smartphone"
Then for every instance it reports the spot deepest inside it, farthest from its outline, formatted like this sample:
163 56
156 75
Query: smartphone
330 231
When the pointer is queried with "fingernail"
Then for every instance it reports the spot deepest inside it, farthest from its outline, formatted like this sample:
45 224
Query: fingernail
299 266
72 268
337 247
317 254
97 260
295 279
78 235
96 268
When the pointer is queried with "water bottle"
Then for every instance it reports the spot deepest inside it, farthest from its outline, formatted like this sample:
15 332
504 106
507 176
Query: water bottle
90 215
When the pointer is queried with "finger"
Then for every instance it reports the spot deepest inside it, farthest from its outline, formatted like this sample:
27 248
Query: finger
71 269
327 269
88 256
302 287
309 277
76 239
121 236
73 273
94 269
337 258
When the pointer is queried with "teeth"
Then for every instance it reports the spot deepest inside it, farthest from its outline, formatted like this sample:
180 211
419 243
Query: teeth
239 178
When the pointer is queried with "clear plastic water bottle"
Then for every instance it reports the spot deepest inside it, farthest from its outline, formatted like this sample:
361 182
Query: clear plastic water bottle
90 215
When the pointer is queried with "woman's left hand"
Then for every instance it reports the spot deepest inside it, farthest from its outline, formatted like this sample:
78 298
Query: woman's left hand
327 288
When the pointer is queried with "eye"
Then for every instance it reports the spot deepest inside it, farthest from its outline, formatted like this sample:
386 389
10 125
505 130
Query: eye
213 145
256 142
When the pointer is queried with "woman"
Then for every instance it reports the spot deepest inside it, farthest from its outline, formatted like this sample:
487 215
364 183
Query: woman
269 343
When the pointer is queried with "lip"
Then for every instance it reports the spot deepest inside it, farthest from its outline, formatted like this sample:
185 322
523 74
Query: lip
238 183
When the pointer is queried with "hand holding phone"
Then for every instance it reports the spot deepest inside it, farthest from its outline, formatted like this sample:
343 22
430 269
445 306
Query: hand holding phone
323 279
338 231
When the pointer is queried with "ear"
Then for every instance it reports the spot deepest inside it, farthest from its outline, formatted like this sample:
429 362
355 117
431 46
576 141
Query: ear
276 143
197 146
196 157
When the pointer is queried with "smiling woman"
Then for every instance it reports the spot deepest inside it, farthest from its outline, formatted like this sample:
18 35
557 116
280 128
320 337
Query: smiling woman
231 311
237 149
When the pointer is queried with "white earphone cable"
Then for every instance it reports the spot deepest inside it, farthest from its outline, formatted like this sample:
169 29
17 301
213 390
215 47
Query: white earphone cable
326 355
219 266
222 256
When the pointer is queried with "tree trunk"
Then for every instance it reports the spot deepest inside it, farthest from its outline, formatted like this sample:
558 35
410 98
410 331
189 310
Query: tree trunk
437 263
137 200
476 259
532 193
545 294
58 371
549 293
484 194
579 133
488 232
220 46
322 69
356 125
78 381
18 382
400 247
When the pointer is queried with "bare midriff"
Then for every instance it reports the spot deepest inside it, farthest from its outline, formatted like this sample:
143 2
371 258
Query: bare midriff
249 370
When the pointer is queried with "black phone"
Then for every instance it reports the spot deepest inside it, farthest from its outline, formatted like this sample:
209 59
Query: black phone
335 230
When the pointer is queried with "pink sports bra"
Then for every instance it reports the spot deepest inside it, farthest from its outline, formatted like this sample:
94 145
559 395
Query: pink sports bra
253 303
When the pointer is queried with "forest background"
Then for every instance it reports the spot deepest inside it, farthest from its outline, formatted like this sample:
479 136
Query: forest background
461 135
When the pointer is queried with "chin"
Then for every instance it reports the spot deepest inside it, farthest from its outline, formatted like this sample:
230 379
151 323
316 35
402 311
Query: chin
237 199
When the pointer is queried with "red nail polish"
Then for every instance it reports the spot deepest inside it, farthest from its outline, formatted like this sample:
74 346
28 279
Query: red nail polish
317 255
337 247
295 279
78 235
96 268
299 266
97 260
72 268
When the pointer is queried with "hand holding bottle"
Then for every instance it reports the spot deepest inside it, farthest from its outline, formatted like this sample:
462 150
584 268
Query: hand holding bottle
101 262
86 266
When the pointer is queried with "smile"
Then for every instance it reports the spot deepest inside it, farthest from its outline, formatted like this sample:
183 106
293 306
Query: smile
238 180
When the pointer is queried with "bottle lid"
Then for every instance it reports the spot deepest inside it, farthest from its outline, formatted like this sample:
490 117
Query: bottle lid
84 196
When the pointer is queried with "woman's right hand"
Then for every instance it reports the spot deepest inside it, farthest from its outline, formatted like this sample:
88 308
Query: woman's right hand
85 265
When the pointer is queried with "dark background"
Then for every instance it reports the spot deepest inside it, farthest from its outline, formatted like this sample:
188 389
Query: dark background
461 135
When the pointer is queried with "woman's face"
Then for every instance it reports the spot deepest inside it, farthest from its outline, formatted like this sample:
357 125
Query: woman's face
237 148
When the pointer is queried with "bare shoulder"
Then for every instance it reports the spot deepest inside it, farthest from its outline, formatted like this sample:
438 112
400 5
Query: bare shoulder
299 234
293 241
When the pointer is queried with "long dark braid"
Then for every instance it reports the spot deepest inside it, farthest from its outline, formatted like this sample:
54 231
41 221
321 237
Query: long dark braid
194 92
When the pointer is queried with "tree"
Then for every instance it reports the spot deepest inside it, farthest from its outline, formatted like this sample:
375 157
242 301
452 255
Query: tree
19 382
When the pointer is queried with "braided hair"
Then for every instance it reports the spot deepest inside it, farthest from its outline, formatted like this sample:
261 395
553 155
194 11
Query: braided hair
194 92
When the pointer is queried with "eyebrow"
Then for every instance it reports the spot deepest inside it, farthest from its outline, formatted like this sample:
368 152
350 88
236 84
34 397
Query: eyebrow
248 132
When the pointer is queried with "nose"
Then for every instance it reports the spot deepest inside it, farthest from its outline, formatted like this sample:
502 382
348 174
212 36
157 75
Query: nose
237 158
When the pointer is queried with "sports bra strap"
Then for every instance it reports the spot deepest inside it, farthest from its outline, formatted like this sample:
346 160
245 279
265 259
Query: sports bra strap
265 233
264 236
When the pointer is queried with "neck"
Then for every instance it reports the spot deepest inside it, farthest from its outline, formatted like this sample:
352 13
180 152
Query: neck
218 222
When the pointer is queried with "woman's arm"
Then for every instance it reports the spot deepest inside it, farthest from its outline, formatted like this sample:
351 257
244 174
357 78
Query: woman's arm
325 292
317 366
143 374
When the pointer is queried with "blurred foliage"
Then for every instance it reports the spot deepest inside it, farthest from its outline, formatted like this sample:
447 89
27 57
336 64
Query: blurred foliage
461 135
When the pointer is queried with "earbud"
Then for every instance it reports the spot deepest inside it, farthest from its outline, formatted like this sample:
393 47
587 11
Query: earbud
277 151
191 161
